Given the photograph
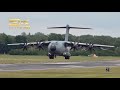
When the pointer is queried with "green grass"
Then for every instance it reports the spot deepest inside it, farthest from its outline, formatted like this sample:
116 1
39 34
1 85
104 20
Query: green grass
12 59
97 72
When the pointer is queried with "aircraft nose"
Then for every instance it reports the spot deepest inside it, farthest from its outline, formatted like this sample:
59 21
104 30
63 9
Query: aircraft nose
53 48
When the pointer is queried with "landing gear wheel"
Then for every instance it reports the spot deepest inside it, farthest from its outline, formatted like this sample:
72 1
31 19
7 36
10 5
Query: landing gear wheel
67 57
51 57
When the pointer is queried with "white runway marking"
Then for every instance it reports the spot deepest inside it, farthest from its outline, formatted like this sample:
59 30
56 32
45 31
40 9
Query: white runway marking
64 63
6 64
117 64
73 66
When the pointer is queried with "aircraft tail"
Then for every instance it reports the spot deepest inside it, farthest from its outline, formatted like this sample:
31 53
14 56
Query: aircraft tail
67 30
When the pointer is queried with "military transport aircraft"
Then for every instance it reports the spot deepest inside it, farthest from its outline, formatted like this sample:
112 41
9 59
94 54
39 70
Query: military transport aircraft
62 48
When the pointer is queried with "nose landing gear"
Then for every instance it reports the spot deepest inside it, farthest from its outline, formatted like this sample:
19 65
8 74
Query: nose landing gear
51 56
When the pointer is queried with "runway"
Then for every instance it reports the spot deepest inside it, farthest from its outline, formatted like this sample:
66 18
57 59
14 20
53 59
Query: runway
44 66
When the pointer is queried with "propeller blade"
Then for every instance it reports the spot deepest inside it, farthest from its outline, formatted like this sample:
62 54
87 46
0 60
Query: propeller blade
25 46
39 45
71 48
90 47
74 47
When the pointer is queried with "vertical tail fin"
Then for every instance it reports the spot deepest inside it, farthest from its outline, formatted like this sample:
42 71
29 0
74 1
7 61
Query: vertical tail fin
66 35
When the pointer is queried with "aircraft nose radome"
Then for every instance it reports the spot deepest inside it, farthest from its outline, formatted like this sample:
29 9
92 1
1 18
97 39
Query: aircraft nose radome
53 48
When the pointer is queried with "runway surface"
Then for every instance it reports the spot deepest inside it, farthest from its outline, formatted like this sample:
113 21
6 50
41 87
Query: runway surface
44 66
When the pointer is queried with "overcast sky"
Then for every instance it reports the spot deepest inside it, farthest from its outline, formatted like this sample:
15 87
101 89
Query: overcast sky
103 23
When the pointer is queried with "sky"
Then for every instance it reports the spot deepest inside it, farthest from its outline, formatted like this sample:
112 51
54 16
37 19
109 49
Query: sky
102 23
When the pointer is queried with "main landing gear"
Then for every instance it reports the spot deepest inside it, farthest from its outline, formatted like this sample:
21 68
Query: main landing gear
52 56
67 57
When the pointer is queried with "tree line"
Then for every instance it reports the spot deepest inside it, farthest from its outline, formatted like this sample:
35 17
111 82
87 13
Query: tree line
23 37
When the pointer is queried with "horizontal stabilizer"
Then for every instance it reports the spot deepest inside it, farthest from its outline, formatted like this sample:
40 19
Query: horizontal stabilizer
55 27
68 27
80 28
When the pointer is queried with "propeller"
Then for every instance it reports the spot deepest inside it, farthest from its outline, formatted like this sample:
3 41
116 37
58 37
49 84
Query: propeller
90 47
75 46
25 46
39 45
68 44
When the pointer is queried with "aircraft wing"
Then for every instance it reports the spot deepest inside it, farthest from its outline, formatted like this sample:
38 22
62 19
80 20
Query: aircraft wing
30 43
15 44
44 43
87 46
98 45
75 43
38 45
95 45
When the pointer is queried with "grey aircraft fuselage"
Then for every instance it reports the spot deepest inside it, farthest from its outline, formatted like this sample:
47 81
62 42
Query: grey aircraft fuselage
58 48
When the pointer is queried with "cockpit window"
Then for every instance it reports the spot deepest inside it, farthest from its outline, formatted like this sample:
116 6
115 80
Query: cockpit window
56 43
